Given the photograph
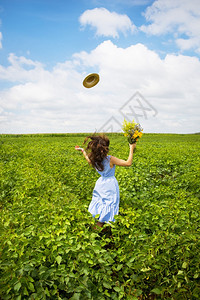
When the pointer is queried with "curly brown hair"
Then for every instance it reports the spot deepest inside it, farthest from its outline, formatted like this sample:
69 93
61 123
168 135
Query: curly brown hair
97 149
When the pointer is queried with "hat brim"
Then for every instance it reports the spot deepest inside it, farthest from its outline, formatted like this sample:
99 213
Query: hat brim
91 80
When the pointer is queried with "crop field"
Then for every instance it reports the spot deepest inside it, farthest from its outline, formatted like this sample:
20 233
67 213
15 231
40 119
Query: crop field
49 247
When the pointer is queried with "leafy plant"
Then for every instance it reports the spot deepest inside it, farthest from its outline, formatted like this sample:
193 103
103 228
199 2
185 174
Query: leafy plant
49 247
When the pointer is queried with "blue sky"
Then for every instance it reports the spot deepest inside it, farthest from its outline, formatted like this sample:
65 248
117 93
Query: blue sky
50 31
137 46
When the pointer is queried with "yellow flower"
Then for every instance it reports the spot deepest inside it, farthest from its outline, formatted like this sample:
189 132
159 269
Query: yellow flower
131 130
140 134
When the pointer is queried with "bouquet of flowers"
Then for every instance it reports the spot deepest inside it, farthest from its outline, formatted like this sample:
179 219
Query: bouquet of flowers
132 130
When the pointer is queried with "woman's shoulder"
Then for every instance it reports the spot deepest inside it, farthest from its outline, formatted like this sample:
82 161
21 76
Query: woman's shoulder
111 157
108 158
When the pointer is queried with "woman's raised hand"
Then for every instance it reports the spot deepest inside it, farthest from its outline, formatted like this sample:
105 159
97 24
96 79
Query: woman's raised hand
78 148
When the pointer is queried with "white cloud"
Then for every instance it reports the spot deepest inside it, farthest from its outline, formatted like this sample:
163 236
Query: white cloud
180 16
190 43
1 37
107 23
41 100
21 69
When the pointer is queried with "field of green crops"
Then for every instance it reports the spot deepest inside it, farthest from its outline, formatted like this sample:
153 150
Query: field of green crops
49 248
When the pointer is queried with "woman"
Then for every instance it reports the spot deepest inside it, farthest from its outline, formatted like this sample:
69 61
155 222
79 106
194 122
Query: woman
105 198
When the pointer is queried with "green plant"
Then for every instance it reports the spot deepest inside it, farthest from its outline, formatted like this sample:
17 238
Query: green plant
49 248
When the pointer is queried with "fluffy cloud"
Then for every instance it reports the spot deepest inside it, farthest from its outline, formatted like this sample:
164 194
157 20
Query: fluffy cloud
38 99
182 16
171 85
106 23
20 69
41 100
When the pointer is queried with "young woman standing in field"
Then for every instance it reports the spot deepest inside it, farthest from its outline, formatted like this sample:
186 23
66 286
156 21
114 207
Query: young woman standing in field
105 198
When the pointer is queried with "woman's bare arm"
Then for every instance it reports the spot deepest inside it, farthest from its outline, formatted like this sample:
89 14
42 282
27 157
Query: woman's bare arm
86 156
84 153
121 162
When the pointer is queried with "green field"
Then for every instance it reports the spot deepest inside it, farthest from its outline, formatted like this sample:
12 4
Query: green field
49 248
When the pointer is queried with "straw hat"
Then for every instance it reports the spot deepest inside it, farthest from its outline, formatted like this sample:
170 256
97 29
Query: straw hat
91 80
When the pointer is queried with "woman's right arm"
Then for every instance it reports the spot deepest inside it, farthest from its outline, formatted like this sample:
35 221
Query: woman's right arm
84 153
86 156
121 162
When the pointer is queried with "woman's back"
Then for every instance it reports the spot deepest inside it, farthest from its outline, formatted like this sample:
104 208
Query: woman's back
107 171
